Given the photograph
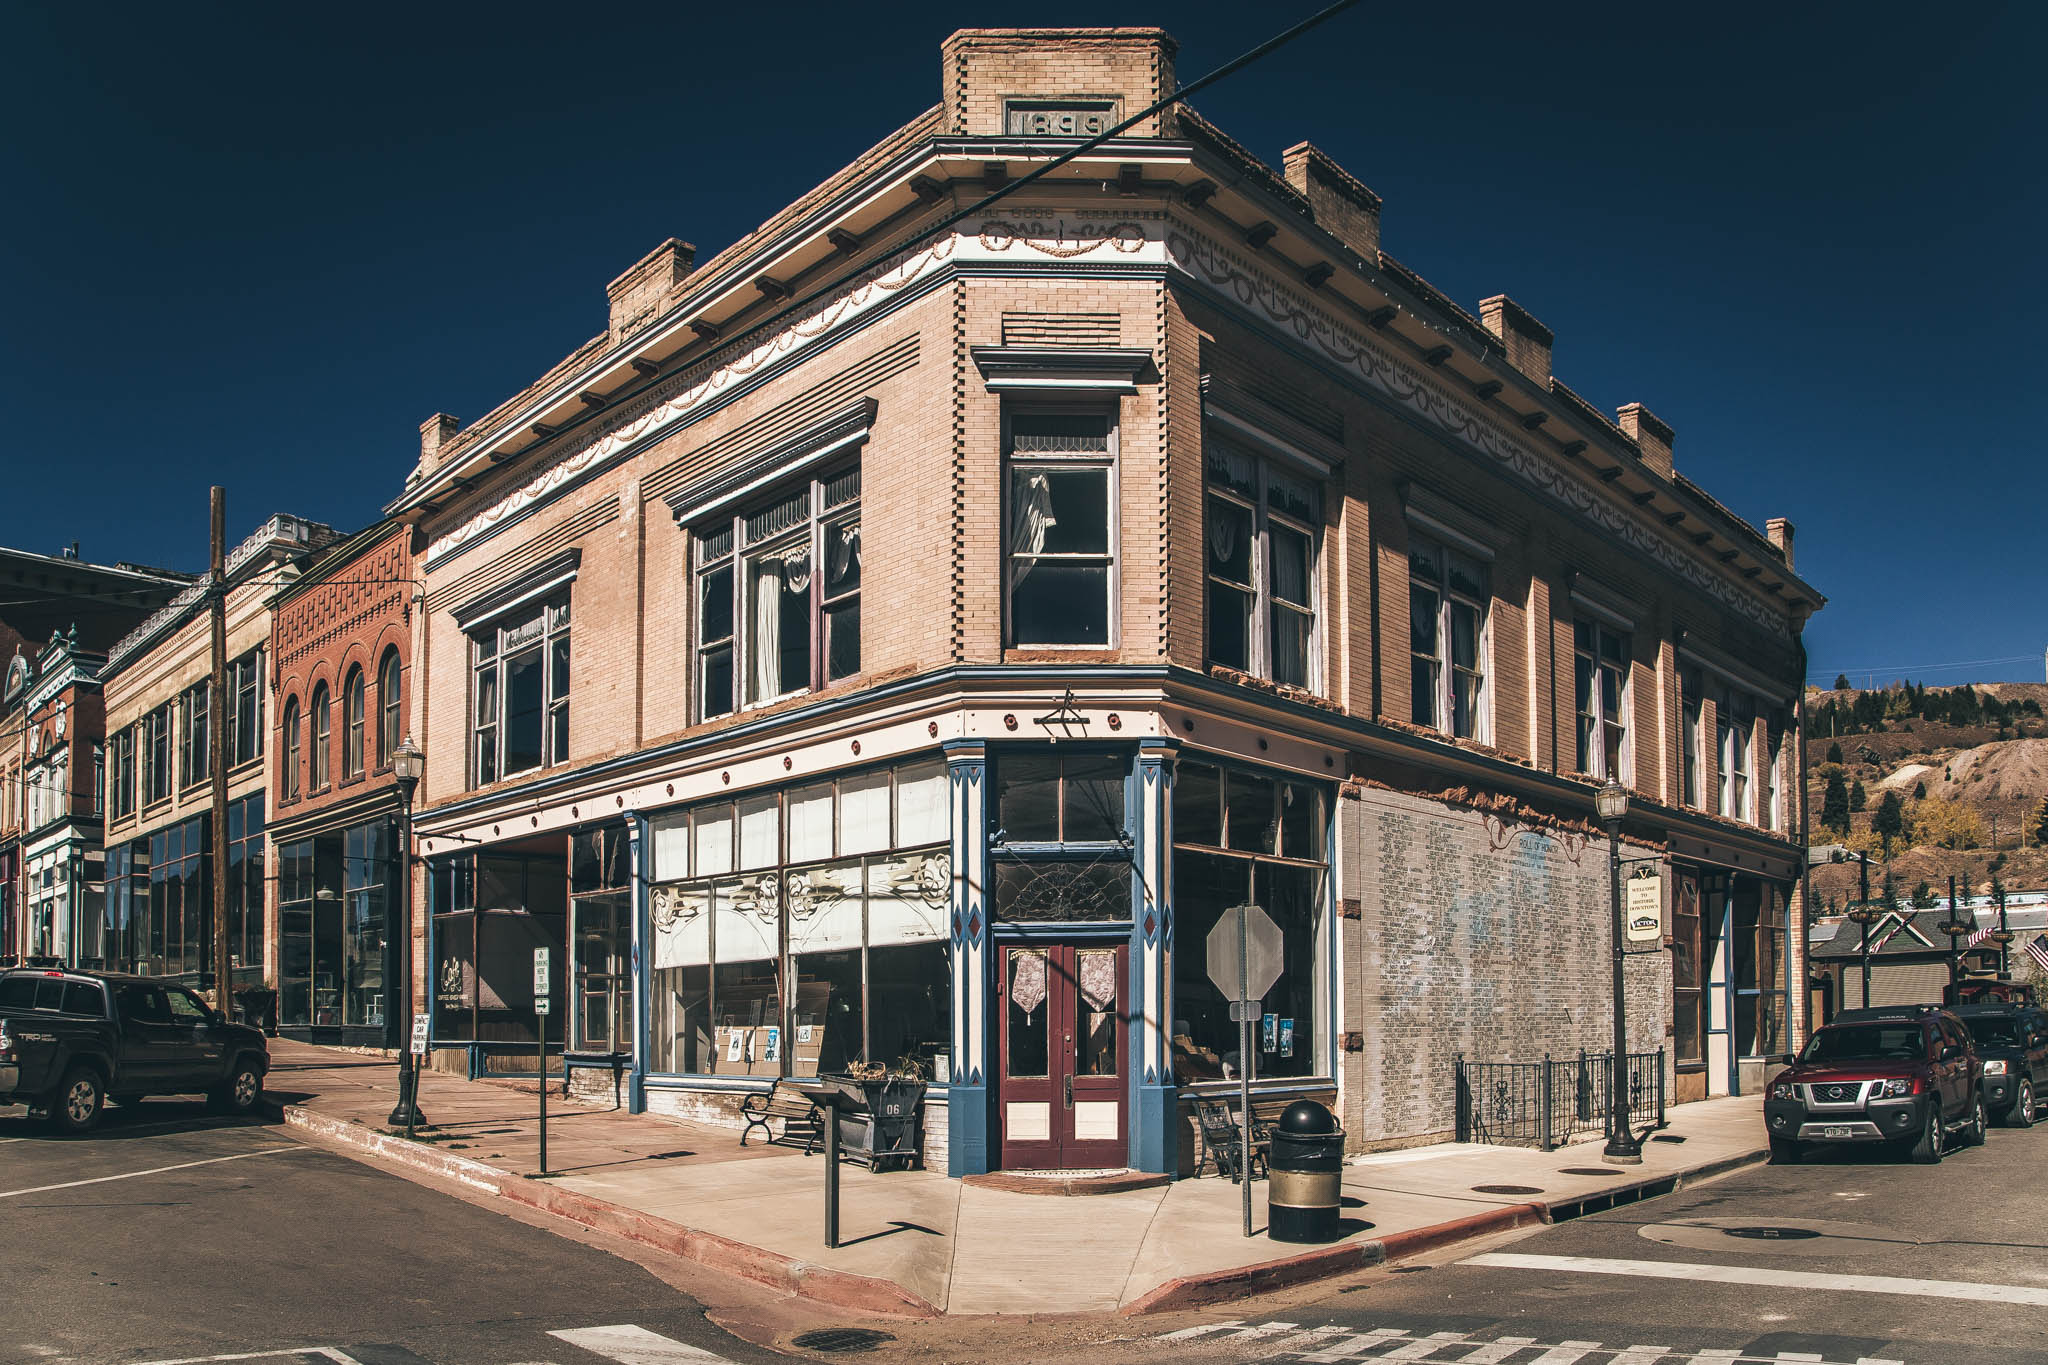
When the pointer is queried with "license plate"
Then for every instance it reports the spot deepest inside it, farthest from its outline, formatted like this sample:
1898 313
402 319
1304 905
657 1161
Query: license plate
1835 1130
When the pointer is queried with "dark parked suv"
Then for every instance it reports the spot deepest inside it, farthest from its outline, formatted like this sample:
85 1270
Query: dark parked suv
1906 1075
2012 1042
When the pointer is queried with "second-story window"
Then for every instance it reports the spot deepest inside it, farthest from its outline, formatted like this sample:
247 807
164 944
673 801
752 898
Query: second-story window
1259 543
290 790
245 723
1448 593
352 725
520 692
389 702
318 713
1060 514
156 755
121 773
778 596
194 742
1689 719
1735 733
1601 682
1774 759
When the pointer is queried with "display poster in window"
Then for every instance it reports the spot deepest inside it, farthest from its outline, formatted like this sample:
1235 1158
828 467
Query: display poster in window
1269 1033
1643 907
772 1051
1286 1048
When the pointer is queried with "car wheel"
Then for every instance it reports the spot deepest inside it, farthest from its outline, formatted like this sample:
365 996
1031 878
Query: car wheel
1927 1151
1784 1152
79 1101
242 1092
1973 1135
2021 1115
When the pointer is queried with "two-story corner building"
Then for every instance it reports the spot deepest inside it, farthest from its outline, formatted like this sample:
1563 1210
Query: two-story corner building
902 638
58 616
160 711
340 650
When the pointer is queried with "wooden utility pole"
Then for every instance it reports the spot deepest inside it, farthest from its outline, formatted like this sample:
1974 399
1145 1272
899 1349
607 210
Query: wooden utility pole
217 747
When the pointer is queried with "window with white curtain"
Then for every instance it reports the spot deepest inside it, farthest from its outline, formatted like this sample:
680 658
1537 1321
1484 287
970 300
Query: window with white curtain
1060 528
778 596
1448 595
1601 682
1735 735
1259 545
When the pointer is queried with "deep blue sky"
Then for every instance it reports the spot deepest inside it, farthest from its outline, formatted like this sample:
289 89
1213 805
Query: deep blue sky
259 244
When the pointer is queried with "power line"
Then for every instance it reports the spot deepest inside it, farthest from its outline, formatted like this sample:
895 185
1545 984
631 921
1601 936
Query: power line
1901 669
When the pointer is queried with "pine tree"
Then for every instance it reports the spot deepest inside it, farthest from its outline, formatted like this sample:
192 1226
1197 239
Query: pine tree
1841 682
1890 821
1834 805
1834 753
2041 824
1888 894
1858 798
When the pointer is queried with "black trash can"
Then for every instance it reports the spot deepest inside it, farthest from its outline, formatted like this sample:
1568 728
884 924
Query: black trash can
1305 1175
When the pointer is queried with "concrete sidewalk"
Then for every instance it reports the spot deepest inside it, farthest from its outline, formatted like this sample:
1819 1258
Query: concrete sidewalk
920 1244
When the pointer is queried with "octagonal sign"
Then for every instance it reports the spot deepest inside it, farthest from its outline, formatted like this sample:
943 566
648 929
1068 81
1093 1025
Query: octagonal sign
1253 928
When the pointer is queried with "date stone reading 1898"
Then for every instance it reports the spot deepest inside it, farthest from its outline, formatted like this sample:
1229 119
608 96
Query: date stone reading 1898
1061 118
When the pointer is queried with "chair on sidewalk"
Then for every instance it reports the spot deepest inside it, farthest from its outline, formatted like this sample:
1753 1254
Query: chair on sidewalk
1223 1140
786 1102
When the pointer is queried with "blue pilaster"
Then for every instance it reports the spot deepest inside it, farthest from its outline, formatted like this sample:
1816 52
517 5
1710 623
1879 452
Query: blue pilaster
1154 1112
970 1135
639 860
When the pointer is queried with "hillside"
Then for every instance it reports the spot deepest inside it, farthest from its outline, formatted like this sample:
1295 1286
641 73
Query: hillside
1969 766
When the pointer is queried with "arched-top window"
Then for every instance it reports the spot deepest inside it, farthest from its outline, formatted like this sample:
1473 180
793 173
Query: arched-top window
352 724
291 749
322 764
388 708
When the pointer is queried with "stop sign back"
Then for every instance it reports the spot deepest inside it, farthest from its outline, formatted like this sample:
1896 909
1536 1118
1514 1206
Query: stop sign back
1253 929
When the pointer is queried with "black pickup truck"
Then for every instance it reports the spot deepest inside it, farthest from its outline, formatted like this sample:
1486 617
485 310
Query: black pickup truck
71 1040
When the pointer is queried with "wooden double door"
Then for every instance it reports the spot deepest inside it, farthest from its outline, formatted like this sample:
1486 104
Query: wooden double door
1061 1096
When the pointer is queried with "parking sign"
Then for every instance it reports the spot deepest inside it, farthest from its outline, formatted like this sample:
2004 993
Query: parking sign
540 981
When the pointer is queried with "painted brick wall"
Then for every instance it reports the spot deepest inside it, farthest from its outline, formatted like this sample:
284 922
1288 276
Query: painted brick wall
1473 938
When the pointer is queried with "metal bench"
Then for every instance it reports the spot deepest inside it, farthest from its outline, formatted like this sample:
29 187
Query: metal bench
787 1102
1222 1140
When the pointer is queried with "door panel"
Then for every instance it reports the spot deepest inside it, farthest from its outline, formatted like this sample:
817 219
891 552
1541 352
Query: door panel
1060 1084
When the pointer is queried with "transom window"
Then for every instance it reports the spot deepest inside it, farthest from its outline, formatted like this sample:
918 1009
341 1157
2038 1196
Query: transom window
1260 548
1602 683
519 718
1061 528
1448 593
769 623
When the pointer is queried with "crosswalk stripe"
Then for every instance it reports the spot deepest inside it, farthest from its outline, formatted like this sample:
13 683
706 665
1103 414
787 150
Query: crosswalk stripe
1493 1352
629 1345
1770 1278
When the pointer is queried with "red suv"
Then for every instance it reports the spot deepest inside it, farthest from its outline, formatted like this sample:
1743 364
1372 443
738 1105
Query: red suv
1907 1075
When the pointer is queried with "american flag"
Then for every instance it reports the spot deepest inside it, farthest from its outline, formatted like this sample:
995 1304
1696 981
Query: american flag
2037 949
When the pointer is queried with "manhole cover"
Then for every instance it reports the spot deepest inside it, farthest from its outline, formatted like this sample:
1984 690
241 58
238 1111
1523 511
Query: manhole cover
1506 1189
1587 1170
1768 1234
841 1340
1809 1237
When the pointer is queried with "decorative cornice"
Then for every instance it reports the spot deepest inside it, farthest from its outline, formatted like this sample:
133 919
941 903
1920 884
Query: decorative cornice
550 573
1115 369
1211 266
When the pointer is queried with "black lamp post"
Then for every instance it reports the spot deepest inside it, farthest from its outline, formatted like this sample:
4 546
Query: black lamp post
1611 802
2002 935
407 764
1865 914
1955 926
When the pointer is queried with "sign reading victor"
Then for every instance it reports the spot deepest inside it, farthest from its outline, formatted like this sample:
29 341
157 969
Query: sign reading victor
1643 907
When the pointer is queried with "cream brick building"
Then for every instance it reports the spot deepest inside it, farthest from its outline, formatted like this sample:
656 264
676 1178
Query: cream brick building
894 643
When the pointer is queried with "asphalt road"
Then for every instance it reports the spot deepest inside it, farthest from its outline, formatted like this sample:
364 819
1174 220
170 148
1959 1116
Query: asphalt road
1860 1257
169 1234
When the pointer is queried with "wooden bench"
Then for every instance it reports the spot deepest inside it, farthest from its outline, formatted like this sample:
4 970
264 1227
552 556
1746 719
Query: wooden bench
782 1101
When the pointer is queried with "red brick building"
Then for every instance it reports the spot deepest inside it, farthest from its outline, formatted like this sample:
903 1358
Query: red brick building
341 642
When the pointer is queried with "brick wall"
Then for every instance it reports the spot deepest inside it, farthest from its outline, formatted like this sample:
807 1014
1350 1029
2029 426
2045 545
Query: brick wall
1474 938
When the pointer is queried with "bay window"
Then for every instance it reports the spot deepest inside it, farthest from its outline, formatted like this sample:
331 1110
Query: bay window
519 691
1259 545
1601 682
1060 528
778 596
1448 595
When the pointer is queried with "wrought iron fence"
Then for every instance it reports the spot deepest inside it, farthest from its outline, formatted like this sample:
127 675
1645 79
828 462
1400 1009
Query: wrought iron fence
1547 1103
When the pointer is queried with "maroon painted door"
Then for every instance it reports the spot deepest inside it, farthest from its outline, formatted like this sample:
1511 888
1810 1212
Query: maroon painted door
1061 1089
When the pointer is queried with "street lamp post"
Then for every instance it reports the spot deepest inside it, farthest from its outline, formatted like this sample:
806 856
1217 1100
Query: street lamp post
408 763
1611 802
1864 914
1955 926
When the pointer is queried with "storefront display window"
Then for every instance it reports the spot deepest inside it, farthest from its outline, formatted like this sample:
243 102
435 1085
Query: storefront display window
1757 930
765 965
491 910
600 926
1243 836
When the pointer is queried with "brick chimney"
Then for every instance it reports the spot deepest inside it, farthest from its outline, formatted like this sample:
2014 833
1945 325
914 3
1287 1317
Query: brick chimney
1341 202
647 289
435 432
1779 532
1054 82
1650 433
1526 341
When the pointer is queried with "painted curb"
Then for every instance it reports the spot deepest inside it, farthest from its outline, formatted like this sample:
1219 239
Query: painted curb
839 1288
1069 1187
